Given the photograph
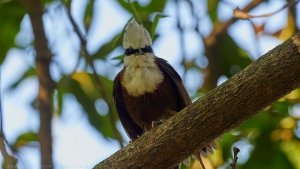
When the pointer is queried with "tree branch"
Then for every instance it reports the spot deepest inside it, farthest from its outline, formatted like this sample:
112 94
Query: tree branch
239 14
264 81
46 84
10 162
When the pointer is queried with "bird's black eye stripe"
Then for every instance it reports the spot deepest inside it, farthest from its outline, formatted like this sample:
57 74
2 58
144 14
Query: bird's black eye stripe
131 51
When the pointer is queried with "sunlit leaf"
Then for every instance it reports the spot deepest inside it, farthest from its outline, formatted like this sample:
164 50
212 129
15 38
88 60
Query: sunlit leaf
292 151
288 30
293 96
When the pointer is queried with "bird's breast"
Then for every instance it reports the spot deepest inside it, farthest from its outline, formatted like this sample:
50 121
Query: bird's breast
141 75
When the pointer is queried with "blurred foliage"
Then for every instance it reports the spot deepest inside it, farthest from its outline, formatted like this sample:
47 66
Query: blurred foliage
83 87
273 134
10 25
24 139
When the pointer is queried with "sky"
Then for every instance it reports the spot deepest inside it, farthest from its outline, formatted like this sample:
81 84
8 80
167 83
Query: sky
76 144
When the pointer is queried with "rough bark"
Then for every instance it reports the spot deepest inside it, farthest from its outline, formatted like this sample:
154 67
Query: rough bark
264 81
46 85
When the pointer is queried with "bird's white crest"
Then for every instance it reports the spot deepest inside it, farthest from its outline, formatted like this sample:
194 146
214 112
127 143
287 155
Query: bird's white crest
136 36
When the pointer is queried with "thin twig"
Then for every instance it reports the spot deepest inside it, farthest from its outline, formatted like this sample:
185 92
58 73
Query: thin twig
100 85
222 27
237 13
201 163
235 158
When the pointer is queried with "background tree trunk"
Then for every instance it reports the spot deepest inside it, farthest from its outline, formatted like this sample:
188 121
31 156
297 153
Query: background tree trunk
46 85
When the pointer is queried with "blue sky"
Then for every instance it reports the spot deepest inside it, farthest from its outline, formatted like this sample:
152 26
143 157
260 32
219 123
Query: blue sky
76 144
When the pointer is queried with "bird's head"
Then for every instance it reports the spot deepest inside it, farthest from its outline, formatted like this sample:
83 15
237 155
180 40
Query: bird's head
136 38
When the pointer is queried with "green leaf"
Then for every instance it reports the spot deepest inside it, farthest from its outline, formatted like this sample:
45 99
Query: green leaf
133 7
263 122
11 15
24 140
156 6
124 4
60 102
120 57
281 108
142 13
155 23
212 7
110 46
292 151
88 14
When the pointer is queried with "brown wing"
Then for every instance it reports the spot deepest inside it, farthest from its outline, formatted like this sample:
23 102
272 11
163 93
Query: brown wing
131 128
183 97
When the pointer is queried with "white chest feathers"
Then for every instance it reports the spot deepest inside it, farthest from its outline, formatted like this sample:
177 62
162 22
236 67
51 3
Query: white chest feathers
141 75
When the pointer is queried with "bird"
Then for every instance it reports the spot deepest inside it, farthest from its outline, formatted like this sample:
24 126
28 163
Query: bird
148 90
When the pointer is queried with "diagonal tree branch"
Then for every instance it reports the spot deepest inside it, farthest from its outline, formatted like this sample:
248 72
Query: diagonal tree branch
46 84
261 83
